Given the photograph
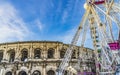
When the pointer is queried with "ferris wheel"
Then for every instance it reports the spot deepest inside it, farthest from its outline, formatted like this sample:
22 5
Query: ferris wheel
102 18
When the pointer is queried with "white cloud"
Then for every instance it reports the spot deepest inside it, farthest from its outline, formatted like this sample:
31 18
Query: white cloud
12 27
65 16
39 24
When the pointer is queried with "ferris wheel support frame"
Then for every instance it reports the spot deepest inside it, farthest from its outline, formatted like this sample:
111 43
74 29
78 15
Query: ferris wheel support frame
67 57
110 57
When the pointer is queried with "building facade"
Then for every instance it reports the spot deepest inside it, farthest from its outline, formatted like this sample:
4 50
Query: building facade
41 58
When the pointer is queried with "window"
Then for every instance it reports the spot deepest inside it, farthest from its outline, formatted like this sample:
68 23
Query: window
22 73
24 55
8 73
12 56
50 72
37 53
62 53
36 72
1 55
50 53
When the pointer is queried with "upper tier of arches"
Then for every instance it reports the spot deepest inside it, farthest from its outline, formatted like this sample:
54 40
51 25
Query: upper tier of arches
38 50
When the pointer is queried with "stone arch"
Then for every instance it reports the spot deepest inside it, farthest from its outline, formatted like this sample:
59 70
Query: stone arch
1 55
62 53
74 54
11 53
51 67
24 54
66 72
8 73
24 68
50 72
50 53
37 53
37 68
36 72
22 73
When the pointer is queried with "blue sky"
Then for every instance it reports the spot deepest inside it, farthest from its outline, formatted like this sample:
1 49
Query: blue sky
52 20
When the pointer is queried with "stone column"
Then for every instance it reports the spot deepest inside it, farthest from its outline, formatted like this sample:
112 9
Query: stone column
45 51
17 53
31 51
5 55
44 69
56 52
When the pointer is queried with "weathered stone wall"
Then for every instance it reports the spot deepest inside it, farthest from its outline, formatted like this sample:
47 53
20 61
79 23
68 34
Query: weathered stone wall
43 62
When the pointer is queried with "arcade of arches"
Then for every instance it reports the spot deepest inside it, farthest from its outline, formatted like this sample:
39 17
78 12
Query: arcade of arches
40 57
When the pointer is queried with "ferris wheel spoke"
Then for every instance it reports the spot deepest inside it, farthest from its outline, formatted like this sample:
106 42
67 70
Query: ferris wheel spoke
108 5
104 13
116 19
106 55
98 21
109 27
116 8
69 51
108 21
100 25
117 5
85 28
103 35
101 16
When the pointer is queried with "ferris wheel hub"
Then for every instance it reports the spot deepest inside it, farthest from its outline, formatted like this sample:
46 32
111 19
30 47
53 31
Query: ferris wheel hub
86 6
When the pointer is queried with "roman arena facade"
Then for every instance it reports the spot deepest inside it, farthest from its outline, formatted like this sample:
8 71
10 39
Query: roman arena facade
41 58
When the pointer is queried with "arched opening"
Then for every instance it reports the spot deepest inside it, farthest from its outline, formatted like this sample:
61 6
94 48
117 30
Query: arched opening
36 72
74 74
22 73
11 55
37 53
62 53
1 55
24 55
8 73
66 73
51 53
50 72
74 54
